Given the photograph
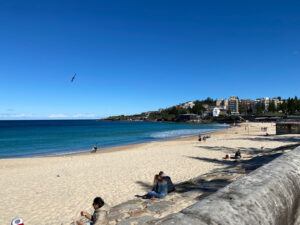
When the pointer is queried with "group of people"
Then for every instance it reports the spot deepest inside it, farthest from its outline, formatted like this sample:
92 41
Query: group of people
204 137
237 155
162 185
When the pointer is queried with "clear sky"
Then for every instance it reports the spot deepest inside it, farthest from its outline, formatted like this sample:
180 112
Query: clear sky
134 56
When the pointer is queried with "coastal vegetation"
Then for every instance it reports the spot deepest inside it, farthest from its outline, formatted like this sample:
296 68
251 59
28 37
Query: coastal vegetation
289 106
172 113
201 111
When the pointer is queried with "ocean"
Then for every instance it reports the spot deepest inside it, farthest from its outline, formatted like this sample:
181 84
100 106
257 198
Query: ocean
30 138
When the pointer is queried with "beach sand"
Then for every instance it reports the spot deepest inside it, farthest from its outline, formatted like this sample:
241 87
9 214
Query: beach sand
53 190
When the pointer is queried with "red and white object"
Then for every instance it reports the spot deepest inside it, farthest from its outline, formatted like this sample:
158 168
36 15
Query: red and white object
17 221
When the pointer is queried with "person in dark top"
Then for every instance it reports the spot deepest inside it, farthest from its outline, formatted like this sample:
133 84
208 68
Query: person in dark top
95 149
154 188
237 154
161 189
171 186
199 137
162 185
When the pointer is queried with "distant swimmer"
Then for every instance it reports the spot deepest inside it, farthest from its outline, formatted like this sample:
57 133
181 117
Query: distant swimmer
73 78
95 148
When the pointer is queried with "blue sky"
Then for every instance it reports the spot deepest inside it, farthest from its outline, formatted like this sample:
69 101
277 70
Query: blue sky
134 56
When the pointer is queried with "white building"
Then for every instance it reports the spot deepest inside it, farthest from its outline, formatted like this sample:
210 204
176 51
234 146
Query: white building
216 112
188 105
264 102
222 104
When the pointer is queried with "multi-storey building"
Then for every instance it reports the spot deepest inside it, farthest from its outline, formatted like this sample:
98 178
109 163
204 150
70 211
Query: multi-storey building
233 105
247 105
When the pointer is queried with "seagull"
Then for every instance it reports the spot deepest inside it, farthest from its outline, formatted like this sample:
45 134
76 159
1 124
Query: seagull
73 78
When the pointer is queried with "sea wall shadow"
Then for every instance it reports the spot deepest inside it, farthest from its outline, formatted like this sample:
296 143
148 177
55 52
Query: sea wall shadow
211 182
277 138
251 151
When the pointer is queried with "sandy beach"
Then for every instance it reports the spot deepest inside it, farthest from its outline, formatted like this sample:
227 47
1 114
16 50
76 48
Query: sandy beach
53 190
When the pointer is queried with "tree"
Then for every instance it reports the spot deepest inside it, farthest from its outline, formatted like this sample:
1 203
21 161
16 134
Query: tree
259 109
297 104
291 106
198 108
283 107
173 110
272 107
242 109
209 101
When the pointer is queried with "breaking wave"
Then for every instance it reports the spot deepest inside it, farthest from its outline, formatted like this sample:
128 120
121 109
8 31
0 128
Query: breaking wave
178 133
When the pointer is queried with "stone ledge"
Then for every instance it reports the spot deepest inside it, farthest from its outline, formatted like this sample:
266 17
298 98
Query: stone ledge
269 195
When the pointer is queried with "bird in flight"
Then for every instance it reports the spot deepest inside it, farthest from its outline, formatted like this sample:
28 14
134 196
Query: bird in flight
73 78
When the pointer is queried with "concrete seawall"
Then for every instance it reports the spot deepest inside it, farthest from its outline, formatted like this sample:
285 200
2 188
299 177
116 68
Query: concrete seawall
269 195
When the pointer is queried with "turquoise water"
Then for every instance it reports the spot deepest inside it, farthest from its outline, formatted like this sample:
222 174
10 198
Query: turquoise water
50 137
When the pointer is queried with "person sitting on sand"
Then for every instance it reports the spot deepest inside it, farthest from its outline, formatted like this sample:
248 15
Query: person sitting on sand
238 154
160 190
155 181
167 178
199 137
99 216
227 156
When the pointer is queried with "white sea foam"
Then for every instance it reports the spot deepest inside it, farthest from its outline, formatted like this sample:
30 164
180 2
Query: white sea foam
178 133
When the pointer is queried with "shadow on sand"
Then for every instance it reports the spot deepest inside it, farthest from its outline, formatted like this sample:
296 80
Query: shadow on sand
278 138
251 151
211 182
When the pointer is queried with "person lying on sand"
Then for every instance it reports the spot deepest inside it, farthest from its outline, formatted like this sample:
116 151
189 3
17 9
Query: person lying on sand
160 189
99 216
